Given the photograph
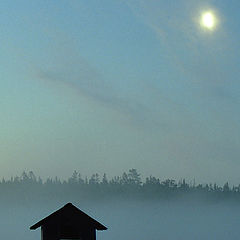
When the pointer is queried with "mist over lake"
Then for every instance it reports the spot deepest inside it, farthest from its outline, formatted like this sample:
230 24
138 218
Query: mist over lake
131 208
135 219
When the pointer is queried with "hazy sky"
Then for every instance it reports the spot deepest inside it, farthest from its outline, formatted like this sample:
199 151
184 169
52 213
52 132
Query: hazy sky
104 86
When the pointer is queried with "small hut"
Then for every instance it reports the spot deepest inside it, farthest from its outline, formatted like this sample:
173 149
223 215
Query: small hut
68 222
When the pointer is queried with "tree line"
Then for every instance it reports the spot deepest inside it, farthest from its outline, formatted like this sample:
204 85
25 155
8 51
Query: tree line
128 185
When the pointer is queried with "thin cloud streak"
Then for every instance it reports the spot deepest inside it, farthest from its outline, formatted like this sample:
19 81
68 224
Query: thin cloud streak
90 84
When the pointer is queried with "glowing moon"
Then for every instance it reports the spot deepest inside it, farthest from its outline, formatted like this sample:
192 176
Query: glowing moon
208 20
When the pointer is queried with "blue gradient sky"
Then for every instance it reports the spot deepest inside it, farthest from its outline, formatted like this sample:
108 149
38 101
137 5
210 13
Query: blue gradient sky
104 86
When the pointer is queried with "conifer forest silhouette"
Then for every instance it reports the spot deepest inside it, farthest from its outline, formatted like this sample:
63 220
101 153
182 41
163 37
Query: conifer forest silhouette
130 185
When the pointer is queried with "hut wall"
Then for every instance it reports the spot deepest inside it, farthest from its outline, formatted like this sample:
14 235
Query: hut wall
54 232
50 233
77 233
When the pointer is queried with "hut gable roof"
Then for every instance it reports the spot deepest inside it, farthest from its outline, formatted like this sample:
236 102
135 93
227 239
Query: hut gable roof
69 214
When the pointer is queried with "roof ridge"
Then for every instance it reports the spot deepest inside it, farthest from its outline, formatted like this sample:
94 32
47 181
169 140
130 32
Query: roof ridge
67 209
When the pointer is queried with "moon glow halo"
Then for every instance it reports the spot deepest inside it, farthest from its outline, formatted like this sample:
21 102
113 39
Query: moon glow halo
208 20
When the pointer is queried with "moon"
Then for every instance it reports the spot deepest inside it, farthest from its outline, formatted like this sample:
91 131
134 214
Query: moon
208 20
